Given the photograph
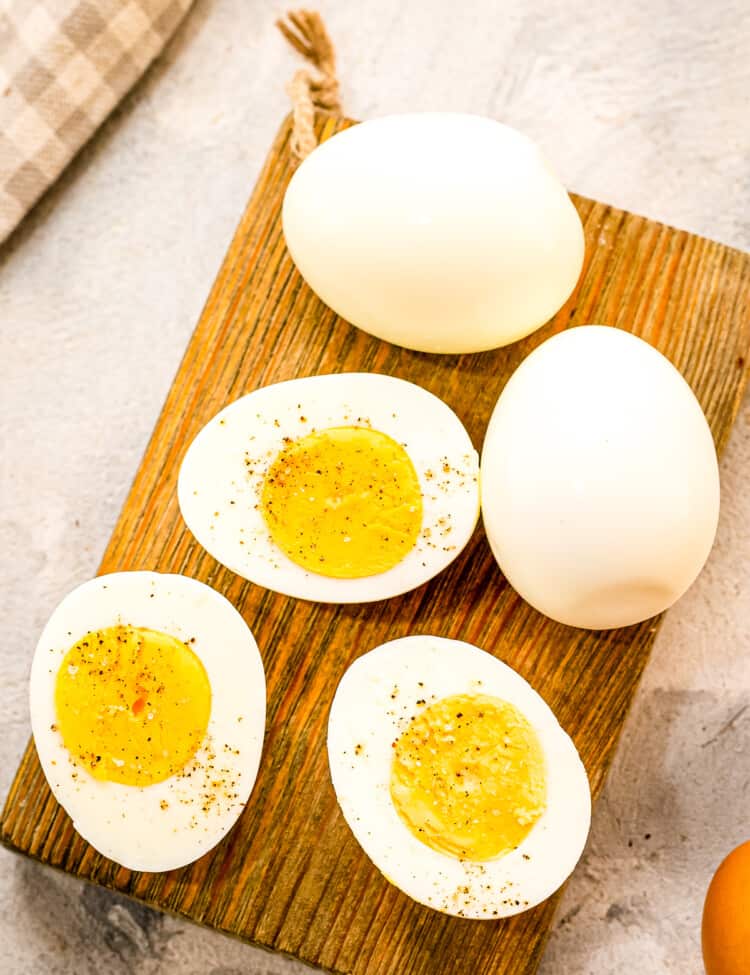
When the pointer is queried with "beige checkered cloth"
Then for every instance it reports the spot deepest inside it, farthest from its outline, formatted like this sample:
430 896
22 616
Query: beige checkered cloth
64 65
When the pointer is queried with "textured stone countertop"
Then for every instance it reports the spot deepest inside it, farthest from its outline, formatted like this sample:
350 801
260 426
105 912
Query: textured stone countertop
642 103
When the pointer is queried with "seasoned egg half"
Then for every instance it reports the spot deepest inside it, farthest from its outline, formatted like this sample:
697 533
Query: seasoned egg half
341 488
148 704
456 778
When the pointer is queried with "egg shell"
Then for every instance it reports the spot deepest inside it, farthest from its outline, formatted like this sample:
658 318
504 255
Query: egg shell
128 824
439 232
600 484
219 490
725 933
373 704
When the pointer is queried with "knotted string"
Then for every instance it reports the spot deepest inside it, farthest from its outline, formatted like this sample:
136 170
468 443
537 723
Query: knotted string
311 89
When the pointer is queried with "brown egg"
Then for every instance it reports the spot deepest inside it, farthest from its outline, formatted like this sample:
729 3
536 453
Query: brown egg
726 916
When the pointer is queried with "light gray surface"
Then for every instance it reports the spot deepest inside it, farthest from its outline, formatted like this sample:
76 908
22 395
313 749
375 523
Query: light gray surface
643 104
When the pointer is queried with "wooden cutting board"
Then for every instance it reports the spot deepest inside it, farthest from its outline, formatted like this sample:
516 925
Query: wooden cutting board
290 876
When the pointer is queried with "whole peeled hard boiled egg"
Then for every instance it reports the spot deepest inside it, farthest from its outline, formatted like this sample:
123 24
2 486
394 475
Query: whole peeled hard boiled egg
439 232
456 778
343 488
148 703
725 933
600 485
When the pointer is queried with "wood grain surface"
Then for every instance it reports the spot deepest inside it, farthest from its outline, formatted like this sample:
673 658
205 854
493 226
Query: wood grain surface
290 876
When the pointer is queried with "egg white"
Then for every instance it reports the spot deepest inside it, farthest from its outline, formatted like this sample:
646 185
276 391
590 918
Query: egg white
372 706
219 497
127 823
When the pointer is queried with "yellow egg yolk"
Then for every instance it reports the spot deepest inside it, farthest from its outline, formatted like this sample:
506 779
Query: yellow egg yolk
343 502
468 776
132 704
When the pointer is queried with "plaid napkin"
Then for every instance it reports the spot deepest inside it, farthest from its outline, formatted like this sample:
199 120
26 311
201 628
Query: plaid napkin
64 65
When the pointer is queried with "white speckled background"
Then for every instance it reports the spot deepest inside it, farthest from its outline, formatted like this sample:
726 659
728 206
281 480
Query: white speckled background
642 103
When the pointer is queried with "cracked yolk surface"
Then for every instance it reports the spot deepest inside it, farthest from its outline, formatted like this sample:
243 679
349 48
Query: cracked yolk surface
132 704
343 502
468 776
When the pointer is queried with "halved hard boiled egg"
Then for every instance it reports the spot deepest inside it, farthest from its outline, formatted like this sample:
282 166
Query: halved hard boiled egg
148 707
341 488
456 778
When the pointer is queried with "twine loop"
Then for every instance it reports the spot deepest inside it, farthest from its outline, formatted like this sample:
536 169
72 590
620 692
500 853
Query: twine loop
313 88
